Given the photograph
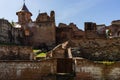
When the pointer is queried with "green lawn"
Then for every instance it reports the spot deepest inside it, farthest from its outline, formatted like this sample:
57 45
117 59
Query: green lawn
41 55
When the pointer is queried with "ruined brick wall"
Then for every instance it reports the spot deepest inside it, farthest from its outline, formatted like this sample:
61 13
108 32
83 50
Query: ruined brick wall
5 29
88 70
28 70
40 32
93 49
43 34
98 49
66 32
44 31
91 34
63 34
12 52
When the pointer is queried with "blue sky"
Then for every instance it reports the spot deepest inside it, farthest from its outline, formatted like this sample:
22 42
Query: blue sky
77 11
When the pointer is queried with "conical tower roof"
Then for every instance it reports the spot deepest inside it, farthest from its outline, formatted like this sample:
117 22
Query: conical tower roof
24 9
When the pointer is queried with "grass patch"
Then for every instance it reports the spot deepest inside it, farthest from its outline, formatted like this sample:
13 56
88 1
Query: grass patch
41 55
107 62
36 50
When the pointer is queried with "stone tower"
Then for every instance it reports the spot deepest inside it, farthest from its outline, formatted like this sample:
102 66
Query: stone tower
24 15
90 30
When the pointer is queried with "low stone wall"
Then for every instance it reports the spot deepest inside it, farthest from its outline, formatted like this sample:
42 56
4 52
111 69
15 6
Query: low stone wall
47 70
88 70
28 70
12 52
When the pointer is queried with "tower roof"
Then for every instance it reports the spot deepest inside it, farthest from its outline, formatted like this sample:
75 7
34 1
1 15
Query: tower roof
24 9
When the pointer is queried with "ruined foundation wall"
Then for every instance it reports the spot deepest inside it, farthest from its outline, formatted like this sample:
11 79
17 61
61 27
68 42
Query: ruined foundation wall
28 70
98 49
88 70
47 70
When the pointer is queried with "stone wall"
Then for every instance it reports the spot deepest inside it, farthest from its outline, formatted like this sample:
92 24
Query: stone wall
88 70
43 35
92 49
47 70
59 51
44 30
5 29
66 32
12 52
28 70
98 49
63 34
